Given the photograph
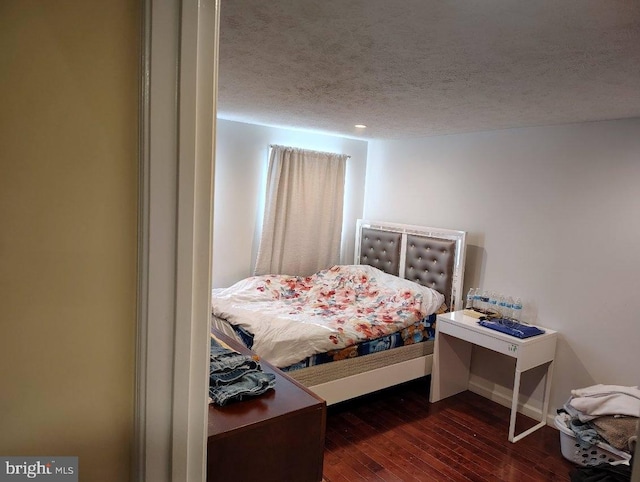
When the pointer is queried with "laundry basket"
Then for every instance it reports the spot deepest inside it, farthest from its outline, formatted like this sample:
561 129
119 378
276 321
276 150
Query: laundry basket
594 455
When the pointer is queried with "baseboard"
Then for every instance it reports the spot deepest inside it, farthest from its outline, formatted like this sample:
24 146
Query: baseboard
504 399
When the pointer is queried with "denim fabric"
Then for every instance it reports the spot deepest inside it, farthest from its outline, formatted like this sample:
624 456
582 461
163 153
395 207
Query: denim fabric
249 385
585 433
224 359
233 376
230 376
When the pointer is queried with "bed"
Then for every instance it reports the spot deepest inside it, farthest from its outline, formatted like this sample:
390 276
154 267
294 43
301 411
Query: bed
427 257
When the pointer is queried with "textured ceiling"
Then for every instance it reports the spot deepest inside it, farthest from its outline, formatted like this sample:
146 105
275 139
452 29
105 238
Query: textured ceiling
418 68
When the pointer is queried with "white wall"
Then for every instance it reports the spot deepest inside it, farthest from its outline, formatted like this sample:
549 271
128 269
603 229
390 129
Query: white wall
552 215
240 176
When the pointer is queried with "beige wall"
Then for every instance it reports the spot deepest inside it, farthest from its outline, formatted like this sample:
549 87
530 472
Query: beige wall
68 206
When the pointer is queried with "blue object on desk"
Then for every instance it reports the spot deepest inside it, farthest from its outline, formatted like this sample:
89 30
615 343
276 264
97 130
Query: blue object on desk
512 328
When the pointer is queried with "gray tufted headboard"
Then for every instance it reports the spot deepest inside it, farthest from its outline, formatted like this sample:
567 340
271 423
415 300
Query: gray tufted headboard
432 257
380 249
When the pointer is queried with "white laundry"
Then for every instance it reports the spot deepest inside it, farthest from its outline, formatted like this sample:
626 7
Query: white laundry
599 400
600 390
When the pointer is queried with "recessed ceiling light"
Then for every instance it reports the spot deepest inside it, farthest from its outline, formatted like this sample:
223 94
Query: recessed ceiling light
361 126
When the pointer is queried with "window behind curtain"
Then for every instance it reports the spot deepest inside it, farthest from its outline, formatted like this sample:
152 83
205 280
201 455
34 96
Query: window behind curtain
303 212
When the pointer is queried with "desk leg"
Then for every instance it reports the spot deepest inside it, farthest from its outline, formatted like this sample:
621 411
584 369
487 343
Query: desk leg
514 406
450 372
547 392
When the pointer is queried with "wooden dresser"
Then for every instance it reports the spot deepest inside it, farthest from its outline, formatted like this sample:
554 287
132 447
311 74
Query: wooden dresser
278 436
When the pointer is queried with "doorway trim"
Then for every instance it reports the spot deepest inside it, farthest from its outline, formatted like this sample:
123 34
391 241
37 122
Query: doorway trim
177 145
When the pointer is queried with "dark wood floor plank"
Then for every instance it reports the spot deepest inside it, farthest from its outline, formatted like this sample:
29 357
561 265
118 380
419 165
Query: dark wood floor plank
419 458
348 458
411 460
422 461
429 444
490 447
378 447
398 436
364 438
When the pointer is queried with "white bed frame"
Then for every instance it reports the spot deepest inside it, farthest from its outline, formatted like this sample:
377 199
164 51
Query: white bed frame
371 381
377 379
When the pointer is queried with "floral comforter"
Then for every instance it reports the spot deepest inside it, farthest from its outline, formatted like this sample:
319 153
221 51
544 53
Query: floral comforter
293 317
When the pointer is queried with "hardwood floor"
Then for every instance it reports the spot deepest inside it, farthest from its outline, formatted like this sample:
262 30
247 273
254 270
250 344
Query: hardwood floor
397 435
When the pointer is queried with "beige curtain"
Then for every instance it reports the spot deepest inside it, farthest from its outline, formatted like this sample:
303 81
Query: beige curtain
303 212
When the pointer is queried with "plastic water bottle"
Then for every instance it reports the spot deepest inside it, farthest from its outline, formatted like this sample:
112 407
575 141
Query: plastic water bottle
517 309
493 302
502 307
485 301
508 308
477 301
470 295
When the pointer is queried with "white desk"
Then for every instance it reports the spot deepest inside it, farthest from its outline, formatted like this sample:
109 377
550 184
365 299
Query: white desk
456 334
